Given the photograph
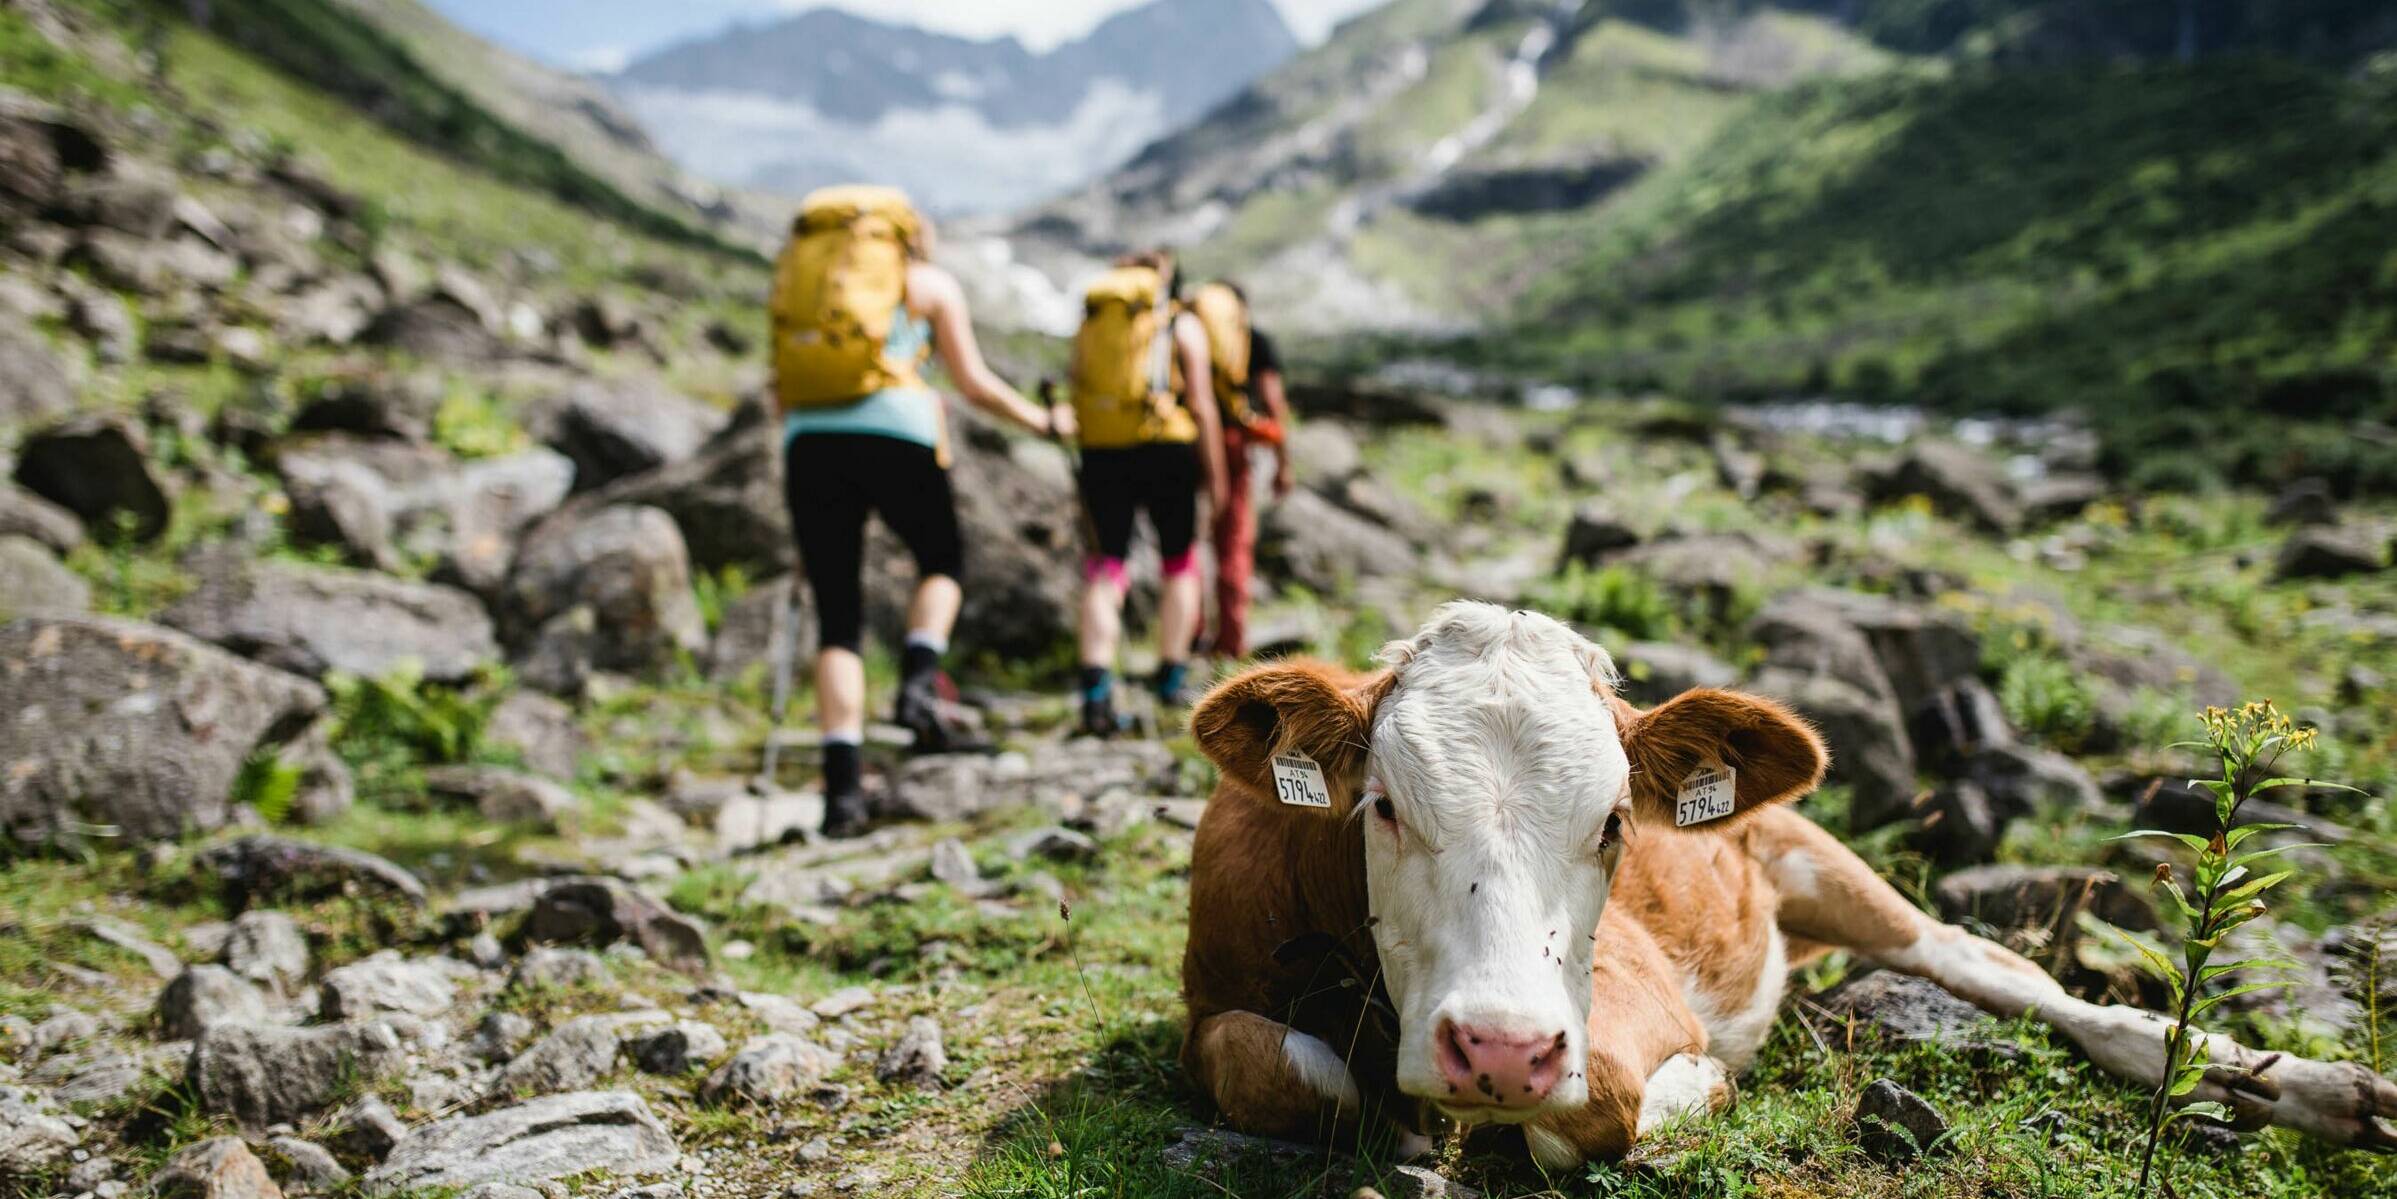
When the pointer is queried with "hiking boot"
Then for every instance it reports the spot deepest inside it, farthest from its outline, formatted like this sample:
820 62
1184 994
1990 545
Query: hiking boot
846 815
1171 686
1099 718
928 707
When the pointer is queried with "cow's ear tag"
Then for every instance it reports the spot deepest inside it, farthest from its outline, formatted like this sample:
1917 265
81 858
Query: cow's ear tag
1706 795
1298 781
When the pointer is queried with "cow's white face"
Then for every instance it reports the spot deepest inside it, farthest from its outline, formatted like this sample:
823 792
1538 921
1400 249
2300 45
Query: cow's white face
1496 781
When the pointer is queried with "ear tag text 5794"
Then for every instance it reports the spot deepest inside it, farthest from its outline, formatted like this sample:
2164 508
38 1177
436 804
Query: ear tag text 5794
1298 781
1706 795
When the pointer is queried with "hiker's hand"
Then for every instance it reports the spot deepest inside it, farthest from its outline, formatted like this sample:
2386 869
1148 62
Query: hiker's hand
1219 493
1061 423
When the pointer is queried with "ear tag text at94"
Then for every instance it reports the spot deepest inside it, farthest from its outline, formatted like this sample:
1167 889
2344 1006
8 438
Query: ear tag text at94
1298 781
1706 795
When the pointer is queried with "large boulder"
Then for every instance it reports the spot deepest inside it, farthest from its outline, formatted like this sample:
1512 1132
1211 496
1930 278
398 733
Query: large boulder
373 403
540 729
217 1168
437 328
134 198
35 1136
1020 519
24 514
556 1136
1960 482
767 1070
1595 532
387 502
1655 671
99 469
599 911
388 983
204 996
1866 736
33 583
265 869
745 636
1308 539
315 620
33 383
2329 552
117 723
613 428
1919 648
1713 567
627 567
262 1074
726 497
2040 898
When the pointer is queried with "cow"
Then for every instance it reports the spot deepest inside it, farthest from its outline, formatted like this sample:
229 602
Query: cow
1476 882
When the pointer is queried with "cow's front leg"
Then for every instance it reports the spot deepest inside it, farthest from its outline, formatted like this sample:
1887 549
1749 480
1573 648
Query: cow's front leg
1625 1106
1270 1079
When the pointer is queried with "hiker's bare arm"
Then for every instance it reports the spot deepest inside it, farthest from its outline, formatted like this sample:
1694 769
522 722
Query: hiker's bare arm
935 293
1190 339
1277 406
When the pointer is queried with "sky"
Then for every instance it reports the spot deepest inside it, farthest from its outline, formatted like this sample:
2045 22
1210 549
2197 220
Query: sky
599 35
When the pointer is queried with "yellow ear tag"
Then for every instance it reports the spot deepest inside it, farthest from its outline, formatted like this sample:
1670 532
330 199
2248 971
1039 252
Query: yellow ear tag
1298 781
1706 794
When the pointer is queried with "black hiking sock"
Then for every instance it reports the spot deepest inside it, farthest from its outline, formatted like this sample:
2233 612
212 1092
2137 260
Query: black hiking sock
1171 676
844 772
917 661
1098 683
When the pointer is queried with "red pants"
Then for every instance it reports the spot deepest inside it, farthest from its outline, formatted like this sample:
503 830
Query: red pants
1233 533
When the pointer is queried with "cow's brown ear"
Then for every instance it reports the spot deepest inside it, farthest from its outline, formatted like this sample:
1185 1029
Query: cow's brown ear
1770 754
1297 706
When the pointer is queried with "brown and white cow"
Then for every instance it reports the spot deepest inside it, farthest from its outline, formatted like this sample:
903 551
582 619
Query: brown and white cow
1460 883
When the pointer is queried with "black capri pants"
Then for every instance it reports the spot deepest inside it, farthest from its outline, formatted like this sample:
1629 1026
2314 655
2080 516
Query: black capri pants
831 482
1160 479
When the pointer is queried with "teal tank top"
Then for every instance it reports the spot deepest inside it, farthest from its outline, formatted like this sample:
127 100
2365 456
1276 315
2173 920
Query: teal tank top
906 413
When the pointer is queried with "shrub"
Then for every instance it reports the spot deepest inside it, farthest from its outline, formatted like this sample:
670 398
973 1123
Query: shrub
2045 697
1610 598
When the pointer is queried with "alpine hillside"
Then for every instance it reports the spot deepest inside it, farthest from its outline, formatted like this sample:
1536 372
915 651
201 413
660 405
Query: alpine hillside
965 125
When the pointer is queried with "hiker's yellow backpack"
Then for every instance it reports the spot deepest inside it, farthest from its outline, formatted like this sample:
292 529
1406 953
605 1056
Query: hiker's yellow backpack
1127 378
840 286
1224 314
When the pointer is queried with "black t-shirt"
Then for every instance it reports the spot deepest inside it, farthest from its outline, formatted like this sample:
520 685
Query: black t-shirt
1261 355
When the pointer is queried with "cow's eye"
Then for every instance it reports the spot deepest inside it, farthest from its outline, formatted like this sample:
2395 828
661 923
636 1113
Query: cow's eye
1613 835
1384 810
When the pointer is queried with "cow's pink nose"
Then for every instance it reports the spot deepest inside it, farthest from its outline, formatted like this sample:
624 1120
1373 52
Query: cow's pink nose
1503 1067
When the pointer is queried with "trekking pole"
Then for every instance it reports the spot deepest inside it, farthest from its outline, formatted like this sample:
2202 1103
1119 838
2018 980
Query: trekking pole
784 648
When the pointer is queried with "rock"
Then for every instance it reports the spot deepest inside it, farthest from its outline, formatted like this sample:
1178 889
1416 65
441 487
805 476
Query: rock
388 982
263 1075
24 514
605 322
1309 539
540 729
2023 779
267 948
1894 1122
136 198
678 1049
98 468
335 312
65 1027
601 911
33 383
767 1070
1054 844
1920 650
554 968
745 822
2041 897
612 429
116 723
366 1129
379 498
2051 498
106 320
557 1136
628 566
374 403
217 1168
500 1036
1714 567
1595 532
205 995
33 583
745 637
844 1002
268 868
438 328
1961 720
943 788
317 620
1960 482
953 863
308 1168
917 1059
97 1076
1961 824
1914 1011
1867 739
2306 501
35 1136
573 1057
1212 1151
1325 452
1654 671
2329 552
504 796
727 497
118 934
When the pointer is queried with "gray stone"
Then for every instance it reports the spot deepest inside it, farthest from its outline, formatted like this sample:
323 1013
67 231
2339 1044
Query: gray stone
1325 451
504 796
2035 898
35 1136
540 729
437 328
1054 844
1960 482
953 863
2329 552
679 1049
33 383
387 982
1916 1011
308 1168
1920 649
65 1026
553 1137
116 723
844 1002
917 1059
767 1069
1313 541
24 514
1416 1182
2024 779
628 567
263 1075
1654 671
559 969
601 911
615 428
726 497
136 198
1894 1122
35 583
95 1075
217 1168
262 868
1961 824
2051 498
574 1056
205 995
366 1129
97 467
744 639
269 949
118 934
316 620
500 1036
2306 501
1869 748
1595 532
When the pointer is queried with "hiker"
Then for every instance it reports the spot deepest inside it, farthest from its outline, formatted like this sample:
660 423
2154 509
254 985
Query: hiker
857 309
1246 375
1150 440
